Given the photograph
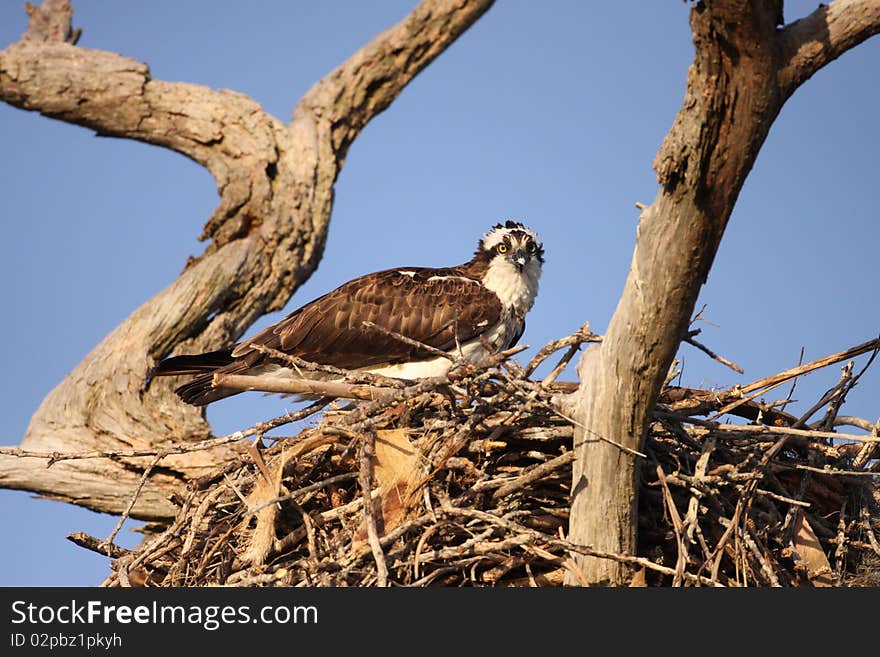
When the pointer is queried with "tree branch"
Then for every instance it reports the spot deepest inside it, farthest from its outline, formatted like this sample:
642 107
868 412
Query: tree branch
336 389
372 78
227 133
812 42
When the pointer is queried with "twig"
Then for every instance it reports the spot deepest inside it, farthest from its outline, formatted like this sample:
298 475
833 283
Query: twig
366 482
561 365
830 471
866 453
711 354
218 544
350 376
794 382
150 547
830 396
865 522
197 518
783 498
573 547
677 527
409 341
260 462
739 402
534 474
852 421
691 519
548 405
299 492
179 448
583 334
718 552
819 363
97 545
844 385
768 429
134 497
766 568
840 551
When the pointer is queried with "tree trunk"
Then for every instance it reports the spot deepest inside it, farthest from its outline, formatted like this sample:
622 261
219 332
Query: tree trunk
744 69
266 237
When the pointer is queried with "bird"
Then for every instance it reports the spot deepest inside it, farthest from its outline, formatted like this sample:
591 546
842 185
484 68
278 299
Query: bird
466 311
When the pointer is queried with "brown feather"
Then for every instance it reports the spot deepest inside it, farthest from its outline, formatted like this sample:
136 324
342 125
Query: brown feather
329 330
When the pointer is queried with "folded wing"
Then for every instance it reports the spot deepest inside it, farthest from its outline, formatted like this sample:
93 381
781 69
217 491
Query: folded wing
433 306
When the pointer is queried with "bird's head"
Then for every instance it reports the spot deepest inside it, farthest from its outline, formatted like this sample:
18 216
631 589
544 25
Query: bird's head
515 244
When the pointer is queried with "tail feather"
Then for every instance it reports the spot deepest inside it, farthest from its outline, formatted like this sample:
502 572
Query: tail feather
194 364
199 391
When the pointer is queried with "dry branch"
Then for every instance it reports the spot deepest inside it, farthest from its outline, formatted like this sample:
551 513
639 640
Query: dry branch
365 479
299 386
689 338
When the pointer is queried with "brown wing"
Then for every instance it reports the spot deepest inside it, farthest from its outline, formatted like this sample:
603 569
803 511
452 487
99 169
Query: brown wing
432 306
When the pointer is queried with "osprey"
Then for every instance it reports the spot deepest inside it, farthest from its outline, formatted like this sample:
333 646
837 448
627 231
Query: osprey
461 310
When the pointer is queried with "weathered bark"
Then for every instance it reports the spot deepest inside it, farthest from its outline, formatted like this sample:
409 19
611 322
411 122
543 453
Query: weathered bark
266 235
744 69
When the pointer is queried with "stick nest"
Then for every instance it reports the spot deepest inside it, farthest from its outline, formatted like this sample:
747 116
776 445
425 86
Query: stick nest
471 479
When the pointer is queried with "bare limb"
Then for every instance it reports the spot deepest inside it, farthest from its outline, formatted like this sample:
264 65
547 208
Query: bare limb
299 386
809 44
372 78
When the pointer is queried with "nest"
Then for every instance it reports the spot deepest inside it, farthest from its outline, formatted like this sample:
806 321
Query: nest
469 484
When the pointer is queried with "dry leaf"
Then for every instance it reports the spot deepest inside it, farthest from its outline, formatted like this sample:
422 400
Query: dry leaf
639 580
807 546
396 468
268 486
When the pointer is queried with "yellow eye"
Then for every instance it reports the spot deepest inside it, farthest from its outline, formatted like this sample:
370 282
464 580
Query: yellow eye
502 248
533 248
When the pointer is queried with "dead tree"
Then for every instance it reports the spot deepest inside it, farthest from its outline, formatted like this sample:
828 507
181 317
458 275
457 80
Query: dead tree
747 63
265 238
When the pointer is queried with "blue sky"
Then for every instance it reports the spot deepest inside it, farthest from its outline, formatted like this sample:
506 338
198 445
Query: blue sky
546 112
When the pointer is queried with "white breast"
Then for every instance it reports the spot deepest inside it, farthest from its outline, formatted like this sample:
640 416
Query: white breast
516 290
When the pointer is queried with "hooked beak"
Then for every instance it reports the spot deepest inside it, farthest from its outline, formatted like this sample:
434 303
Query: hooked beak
519 258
